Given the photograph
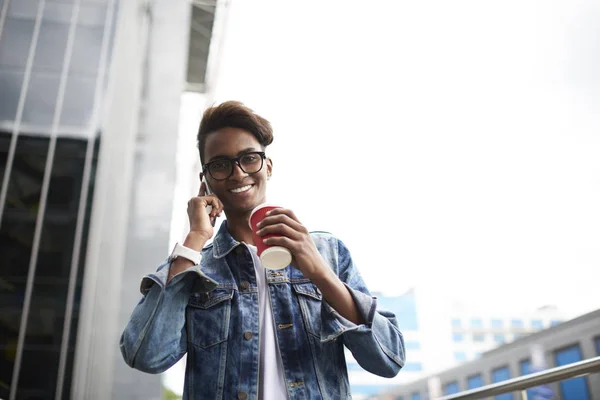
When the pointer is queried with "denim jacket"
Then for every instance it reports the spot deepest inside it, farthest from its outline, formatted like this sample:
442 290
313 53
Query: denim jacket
210 312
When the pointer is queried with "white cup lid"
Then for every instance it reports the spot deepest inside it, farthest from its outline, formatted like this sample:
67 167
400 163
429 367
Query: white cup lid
276 257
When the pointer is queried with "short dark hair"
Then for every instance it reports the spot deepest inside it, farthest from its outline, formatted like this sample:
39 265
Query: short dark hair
233 114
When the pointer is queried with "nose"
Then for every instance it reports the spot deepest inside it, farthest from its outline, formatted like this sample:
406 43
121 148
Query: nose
237 172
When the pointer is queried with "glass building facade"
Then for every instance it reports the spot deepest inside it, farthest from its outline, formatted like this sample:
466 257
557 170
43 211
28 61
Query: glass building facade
53 59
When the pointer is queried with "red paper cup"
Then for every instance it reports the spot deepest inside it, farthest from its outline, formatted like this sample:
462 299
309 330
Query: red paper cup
272 257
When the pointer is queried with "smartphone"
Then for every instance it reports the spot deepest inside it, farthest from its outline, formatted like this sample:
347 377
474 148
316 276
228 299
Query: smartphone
208 208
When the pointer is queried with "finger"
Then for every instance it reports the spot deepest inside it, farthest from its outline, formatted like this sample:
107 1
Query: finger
282 219
280 229
285 211
282 241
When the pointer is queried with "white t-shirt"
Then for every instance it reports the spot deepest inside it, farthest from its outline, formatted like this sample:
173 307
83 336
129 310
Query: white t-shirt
271 381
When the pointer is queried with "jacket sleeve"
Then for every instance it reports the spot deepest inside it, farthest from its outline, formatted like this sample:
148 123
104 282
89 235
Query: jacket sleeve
377 345
155 337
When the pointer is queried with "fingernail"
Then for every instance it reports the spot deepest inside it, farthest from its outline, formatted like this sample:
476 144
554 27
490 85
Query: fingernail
268 213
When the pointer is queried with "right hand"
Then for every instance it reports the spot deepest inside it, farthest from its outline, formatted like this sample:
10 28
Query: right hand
201 221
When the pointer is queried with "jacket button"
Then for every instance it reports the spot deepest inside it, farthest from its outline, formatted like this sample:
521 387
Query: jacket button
248 335
245 285
242 396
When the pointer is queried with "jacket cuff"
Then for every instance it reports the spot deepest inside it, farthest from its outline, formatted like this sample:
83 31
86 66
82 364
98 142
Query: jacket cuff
202 283
333 324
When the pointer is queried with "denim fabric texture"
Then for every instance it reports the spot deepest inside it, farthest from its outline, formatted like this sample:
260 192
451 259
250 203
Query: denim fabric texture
211 313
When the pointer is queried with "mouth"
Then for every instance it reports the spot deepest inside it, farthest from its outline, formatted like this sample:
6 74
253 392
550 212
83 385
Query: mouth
241 189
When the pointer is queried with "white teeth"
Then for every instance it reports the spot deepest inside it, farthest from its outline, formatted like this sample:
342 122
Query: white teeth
240 190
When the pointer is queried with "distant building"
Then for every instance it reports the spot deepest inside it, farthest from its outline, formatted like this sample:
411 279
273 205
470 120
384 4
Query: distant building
565 343
440 333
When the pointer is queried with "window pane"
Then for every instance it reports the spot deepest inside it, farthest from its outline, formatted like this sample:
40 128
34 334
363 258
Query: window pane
460 356
499 338
91 15
598 346
23 8
16 237
537 324
48 304
58 12
499 375
41 99
412 345
451 388
458 337
478 338
51 47
79 280
86 49
476 323
516 323
497 323
576 388
412 366
10 87
15 41
415 396
79 101
474 382
456 323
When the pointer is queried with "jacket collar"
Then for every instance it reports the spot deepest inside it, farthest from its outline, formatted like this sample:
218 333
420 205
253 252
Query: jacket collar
223 242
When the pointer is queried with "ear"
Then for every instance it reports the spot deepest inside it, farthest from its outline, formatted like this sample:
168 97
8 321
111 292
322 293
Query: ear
269 167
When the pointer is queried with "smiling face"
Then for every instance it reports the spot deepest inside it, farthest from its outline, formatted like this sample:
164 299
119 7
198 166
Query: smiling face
241 192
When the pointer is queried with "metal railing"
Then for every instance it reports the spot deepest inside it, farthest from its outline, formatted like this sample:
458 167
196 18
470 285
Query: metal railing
522 383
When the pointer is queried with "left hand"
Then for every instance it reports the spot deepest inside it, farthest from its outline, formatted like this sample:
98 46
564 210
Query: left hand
295 237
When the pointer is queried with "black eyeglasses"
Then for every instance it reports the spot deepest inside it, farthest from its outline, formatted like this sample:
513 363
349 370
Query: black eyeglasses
222 168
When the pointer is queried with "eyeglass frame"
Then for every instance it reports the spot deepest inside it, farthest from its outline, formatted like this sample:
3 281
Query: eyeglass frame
233 161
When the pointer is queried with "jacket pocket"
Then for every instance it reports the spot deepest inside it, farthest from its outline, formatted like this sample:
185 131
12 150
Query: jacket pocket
309 298
208 317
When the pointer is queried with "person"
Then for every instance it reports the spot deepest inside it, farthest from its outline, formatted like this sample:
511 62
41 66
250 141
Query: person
252 333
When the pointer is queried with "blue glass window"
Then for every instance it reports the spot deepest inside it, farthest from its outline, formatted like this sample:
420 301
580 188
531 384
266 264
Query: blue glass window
478 337
451 388
516 323
474 381
456 323
412 345
497 323
404 305
555 322
476 323
499 338
412 366
537 324
354 367
460 356
415 396
367 390
499 375
458 337
575 388
525 369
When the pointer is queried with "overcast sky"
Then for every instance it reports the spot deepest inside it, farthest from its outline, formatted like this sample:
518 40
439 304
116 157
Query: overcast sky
450 144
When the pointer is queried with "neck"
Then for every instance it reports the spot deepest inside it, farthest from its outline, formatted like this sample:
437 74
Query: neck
239 228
